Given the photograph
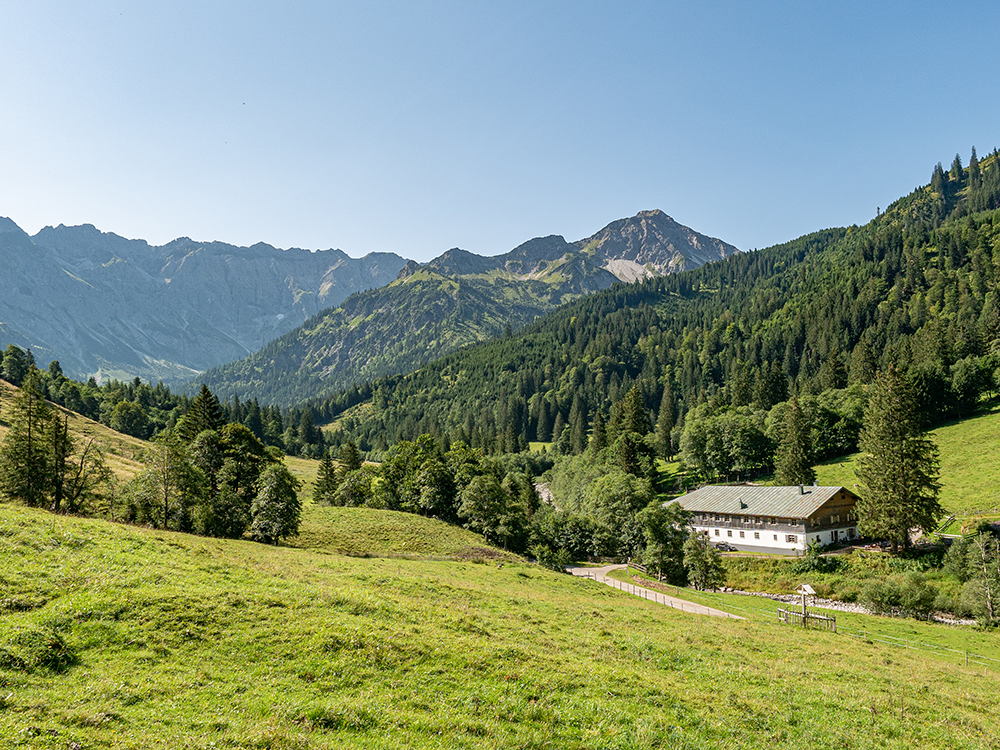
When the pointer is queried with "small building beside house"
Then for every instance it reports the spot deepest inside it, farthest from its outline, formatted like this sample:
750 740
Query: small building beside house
783 518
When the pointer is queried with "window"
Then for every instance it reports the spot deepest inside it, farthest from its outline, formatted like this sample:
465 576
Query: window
775 537
835 519
742 535
716 532
791 538
756 535
729 532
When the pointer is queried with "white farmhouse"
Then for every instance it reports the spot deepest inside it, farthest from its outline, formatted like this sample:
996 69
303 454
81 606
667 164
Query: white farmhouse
778 518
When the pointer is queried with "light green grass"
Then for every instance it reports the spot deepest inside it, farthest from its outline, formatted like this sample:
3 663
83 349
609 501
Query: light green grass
970 467
179 641
387 533
919 634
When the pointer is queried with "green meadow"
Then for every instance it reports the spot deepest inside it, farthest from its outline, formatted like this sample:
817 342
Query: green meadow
970 466
122 637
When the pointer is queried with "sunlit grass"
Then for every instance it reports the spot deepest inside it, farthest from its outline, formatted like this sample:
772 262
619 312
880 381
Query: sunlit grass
179 641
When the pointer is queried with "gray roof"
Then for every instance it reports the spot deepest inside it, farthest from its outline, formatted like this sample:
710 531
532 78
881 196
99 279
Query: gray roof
745 500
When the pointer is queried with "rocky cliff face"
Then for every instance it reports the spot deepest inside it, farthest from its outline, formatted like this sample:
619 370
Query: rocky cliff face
106 305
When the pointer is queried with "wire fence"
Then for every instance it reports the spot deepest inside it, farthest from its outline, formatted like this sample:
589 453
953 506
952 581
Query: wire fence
762 614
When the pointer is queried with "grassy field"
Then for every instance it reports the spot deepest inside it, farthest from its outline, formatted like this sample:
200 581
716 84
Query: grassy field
387 533
932 637
115 636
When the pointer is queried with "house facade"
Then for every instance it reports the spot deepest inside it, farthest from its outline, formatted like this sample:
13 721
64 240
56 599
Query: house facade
778 518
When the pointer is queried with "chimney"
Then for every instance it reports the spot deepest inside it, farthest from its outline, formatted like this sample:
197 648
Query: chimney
801 490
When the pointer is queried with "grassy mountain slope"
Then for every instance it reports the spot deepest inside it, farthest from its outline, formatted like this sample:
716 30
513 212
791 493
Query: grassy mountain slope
120 451
970 465
124 637
455 300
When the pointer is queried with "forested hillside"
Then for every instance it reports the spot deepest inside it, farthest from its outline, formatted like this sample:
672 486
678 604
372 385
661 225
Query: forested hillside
455 300
817 317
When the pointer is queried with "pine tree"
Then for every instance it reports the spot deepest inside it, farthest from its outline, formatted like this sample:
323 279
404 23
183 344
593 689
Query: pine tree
599 436
205 413
25 468
634 416
792 461
665 422
350 457
326 481
898 469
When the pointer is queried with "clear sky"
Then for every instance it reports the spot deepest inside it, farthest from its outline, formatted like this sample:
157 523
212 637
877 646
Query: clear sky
415 127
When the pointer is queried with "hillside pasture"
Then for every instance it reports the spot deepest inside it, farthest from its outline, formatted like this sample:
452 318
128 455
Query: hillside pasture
115 636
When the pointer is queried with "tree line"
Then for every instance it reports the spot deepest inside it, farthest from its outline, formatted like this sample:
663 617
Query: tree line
203 475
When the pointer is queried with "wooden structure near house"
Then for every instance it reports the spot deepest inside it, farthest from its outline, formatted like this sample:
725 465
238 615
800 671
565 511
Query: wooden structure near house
804 618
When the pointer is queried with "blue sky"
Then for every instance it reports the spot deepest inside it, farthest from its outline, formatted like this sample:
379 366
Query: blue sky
416 127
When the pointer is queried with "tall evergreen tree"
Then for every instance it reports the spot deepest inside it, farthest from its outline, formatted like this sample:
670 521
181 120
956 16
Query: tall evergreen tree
350 457
898 469
205 413
25 467
599 436
326 481
792 461
665 422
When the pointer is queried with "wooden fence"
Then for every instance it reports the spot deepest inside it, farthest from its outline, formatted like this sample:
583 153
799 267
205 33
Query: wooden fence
791 617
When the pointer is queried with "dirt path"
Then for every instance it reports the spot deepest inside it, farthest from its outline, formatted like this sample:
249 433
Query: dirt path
601 575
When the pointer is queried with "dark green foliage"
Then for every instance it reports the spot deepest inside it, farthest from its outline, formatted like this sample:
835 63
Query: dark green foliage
975 562
26 471
130 418
205 413
665 529
487 509
906 595
898 468
599 438
665 422
793 462
350 457
15 365
327 480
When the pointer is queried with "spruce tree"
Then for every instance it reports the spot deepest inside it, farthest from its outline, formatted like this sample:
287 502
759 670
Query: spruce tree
205 413
898 469
350 457
665 422
326 481
25 468
599 436
792 462
634 416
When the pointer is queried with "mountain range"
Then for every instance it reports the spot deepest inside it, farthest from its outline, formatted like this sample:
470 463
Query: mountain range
454 300
108 306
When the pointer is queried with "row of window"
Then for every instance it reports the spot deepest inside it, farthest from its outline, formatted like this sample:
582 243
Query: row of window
789 538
